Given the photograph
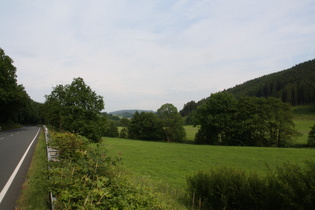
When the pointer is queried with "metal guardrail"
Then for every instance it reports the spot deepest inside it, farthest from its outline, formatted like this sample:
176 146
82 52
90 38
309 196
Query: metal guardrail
52 155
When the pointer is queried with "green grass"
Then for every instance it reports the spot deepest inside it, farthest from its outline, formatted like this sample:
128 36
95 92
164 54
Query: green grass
304 119
191 132
171 163
35 193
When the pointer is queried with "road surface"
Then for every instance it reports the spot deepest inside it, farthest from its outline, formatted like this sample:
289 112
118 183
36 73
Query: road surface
16 150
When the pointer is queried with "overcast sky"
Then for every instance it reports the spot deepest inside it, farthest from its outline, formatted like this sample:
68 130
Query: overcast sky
141 54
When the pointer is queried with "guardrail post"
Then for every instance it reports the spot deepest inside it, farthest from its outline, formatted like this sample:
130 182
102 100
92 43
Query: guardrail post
52 155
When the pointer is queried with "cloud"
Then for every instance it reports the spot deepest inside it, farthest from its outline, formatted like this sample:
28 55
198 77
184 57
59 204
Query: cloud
142 54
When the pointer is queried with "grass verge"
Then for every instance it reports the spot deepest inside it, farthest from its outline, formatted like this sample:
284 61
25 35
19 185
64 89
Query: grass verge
35 193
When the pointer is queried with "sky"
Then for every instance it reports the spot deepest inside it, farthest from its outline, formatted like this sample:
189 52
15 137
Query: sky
141 54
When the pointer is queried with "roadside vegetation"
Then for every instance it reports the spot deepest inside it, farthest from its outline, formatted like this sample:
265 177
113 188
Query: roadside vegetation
86 177
35 192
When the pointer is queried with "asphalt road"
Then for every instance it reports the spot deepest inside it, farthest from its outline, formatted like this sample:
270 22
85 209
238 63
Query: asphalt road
16 150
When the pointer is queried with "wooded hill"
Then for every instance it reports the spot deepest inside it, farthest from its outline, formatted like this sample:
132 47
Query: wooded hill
295 85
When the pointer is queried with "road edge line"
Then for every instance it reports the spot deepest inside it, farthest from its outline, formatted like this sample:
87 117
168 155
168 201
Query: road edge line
10 180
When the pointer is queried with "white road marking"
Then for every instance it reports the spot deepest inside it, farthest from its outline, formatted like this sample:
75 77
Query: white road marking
9 182
1 138
11 134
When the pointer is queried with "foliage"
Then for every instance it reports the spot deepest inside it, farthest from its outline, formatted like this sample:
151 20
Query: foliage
111 130
69 145
264 122
34 194
90 180
295 85
145 126
75 108
128 113
15 104
188 108
124 122
289 187
172 123
247 121
111 117
216 119
311 137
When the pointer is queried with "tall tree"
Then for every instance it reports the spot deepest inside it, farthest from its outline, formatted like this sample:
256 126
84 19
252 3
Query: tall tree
216 119
247 121
75 108
124 122
13 98
172 123
145 126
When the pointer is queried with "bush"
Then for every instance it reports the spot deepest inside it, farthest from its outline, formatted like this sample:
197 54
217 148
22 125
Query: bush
288 187
69 145
86 178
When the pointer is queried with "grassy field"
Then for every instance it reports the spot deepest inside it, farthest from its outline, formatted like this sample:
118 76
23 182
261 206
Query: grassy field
304 119
171 163
191 132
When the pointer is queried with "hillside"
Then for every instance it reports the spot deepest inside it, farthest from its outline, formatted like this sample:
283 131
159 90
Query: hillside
295 85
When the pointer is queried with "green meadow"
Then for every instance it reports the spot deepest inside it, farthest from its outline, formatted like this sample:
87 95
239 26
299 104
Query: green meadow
304 119
171 163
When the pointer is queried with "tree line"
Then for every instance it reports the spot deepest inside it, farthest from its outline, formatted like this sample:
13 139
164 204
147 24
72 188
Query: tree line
76 108
247 121
16 107
295 85
223 118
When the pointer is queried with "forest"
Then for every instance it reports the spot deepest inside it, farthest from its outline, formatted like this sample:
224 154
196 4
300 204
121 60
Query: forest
16 107
295 86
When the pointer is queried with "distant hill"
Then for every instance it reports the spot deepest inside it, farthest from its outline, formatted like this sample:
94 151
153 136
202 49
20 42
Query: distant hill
295 85
128 113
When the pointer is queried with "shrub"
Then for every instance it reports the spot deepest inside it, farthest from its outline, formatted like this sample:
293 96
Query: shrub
288 187
69 145
86 178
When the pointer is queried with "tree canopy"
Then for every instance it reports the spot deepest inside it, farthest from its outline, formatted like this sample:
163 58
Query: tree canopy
295 85
247 121
145 126
15 104
75 108
172 123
